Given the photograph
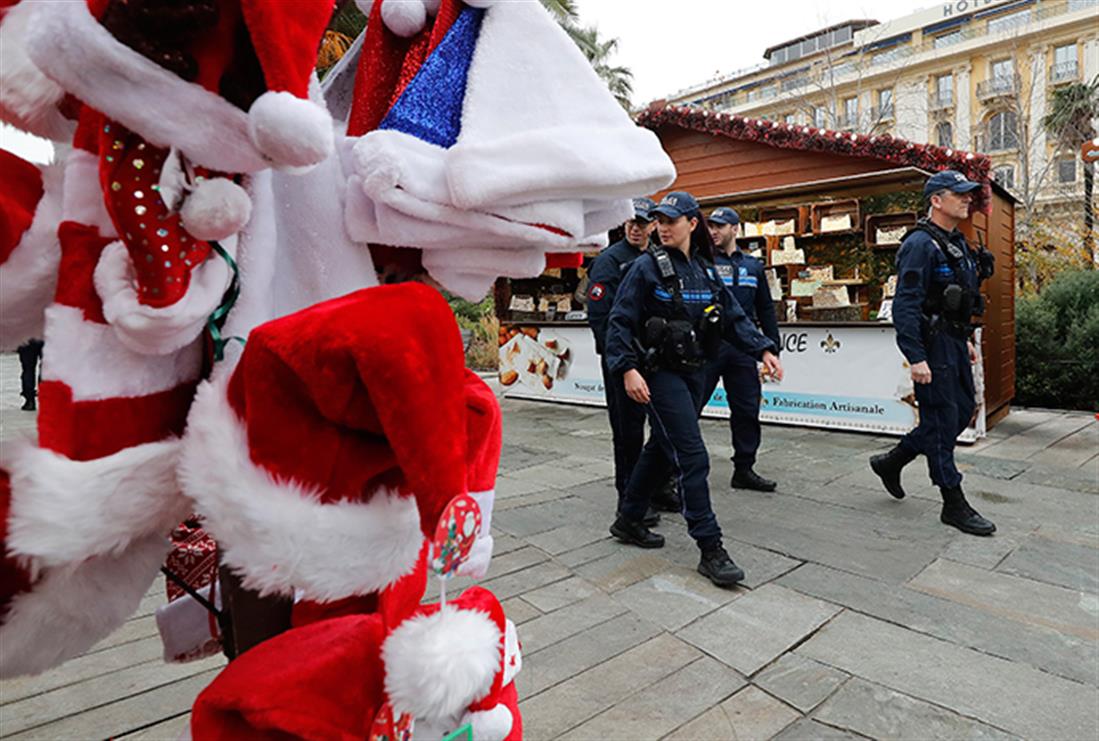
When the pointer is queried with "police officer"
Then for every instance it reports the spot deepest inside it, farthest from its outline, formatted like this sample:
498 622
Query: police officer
627 416
937 298
743 275
671 312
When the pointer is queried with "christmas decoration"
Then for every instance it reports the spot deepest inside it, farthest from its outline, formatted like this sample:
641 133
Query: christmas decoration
785 136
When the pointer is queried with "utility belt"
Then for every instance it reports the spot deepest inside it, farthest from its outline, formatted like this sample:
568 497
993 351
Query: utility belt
952 311
680 345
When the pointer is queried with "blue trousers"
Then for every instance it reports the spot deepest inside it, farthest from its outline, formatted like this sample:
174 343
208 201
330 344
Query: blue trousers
627 427
740 375
675 440
946 407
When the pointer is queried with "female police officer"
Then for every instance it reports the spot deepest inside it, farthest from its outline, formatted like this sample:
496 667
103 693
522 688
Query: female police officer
670 312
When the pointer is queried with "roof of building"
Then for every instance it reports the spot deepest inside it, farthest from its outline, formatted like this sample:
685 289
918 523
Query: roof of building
856 25
928 157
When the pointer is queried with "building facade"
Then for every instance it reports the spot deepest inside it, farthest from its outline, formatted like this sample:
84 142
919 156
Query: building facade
974 75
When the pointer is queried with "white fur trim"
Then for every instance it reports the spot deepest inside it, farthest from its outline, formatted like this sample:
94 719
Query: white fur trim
142 96
471 272
274 532
490 725
216 209
76 605
290 131
436 665
149 330
513 654
404 17
64 510
28 99
82 198
91 359
28 278
432 7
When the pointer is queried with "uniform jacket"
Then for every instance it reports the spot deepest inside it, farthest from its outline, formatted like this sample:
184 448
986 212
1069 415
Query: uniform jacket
921 267
743 275
642 295
605 275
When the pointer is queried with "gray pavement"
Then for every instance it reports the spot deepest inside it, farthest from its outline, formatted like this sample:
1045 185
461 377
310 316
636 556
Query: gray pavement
861 616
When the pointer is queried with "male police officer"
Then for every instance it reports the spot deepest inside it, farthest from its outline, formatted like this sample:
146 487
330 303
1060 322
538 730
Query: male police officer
627 416
936 300
744 276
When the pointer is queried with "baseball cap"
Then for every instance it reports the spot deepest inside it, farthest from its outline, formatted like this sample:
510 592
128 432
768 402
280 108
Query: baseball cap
642 208
677 203
725 215
949 180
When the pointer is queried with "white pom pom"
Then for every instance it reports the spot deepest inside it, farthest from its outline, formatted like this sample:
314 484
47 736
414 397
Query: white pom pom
290 131
365 6
216 209
432 7
481 3
404 17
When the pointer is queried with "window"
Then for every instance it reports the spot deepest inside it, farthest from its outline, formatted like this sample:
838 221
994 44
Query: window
1002 131
1004 175
1066 171
944 134
887 56
790 118
885 103
1002 69
1009 21
1063 54
851 111
1074 5
947 39
819 117
944 89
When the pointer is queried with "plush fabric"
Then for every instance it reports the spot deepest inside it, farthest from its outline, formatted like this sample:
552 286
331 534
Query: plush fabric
29 100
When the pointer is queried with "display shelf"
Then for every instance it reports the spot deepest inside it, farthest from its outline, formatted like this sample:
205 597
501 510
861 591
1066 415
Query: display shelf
874 222
847 207
800 215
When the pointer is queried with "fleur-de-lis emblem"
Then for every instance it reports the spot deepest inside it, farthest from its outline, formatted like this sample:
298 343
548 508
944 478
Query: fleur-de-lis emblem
830 344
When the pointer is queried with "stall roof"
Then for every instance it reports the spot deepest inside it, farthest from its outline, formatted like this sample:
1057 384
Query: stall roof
885 148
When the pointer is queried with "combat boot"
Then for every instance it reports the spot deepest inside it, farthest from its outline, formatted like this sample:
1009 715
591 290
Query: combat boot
635 533
651 518
716 566
746 478
888 467
667 499
957 513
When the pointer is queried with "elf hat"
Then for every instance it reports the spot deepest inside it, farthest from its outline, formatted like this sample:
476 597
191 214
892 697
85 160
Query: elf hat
334 445
282 126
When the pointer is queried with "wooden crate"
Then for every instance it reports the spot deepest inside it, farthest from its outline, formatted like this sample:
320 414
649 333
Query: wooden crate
849 207
874 222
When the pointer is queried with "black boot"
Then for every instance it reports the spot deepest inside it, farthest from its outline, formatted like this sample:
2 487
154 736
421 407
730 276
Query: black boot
719 568
635 533
746 478
667 499
957 513
888 467
29 405
651 518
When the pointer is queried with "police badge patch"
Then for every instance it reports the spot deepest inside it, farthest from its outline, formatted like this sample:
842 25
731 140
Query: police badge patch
596 292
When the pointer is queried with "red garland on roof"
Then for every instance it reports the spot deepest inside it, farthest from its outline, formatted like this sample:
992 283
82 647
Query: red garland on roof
928 157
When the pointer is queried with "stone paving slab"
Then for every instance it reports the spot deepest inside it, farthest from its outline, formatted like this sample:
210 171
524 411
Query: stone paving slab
1003 694
674 598
799 681
808 729
1070 565
748 715
752 631
879 712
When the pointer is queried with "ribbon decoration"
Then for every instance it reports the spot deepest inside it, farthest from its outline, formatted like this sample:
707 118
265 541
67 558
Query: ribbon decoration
217 319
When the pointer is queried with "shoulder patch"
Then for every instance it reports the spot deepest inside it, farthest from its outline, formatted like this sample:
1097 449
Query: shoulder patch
597 291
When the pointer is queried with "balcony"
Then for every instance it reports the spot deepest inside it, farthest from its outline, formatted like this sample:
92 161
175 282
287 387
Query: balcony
1005 86
940 101
1064 72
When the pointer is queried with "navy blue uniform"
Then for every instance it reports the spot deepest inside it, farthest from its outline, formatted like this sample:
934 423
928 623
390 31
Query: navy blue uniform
675 397
627 416
948 402
743 275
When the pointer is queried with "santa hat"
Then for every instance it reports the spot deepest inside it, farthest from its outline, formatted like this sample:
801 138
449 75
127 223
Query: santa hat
484 433
29 100
520 146
335 443
282 126
30 209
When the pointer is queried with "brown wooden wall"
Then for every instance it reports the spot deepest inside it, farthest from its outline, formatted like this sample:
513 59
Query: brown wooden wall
996 230
709 165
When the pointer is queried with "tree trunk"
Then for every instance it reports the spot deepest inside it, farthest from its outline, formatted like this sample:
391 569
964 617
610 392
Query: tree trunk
1089 211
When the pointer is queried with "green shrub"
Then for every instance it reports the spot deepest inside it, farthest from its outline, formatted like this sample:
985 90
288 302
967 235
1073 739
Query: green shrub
1057 344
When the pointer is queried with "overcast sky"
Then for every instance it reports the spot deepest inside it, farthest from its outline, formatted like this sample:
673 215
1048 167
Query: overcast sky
673 44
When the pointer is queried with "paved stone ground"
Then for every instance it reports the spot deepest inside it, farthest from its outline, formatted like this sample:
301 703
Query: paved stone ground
861 616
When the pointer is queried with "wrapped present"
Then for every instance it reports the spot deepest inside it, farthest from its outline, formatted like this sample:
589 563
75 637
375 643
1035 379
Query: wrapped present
193 558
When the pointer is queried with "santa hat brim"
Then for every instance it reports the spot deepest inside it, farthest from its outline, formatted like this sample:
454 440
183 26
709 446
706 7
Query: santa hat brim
74 606
28 277
144 97
276 533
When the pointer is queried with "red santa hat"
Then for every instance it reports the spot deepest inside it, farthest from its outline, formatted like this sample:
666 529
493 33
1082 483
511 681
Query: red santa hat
333 446
30 209
484 433
282 126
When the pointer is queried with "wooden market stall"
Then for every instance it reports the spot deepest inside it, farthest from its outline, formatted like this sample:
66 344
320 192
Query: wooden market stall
825 210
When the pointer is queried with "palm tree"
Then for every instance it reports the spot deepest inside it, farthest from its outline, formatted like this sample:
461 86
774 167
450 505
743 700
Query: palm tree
1069 122
619 79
